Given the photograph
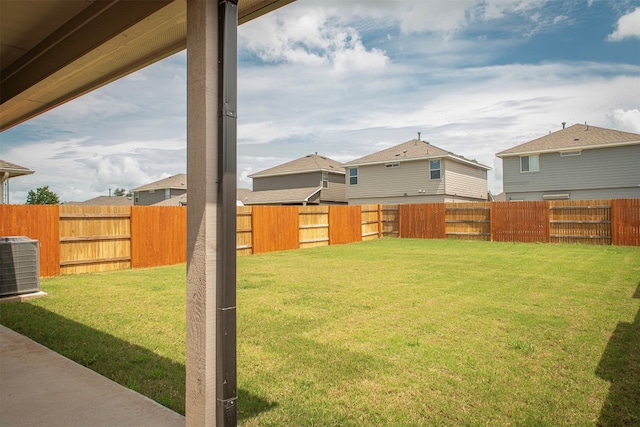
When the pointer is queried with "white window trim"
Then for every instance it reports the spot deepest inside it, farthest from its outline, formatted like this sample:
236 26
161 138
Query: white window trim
529 156
439 169
325 179
353 176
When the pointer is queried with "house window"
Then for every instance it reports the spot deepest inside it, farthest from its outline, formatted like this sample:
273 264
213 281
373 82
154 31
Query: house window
136 197
152 191
570 153
393 165
353 176
434 169
325 179
167 193
529 163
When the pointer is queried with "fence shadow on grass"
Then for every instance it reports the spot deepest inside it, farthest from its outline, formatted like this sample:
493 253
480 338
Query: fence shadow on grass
130 365
620 364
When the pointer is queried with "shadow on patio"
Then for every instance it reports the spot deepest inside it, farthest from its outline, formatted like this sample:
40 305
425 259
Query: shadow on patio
130 365
620 364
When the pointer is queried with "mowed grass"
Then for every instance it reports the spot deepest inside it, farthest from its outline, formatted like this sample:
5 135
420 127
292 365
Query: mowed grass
394 332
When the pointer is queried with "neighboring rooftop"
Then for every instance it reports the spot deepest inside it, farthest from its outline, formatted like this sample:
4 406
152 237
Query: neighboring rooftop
574 137
13 170
106 201
308 163
286 196
180 200
178 181
414 149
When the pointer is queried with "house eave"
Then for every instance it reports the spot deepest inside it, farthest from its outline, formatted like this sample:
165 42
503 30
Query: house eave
260 175
567 148
454 158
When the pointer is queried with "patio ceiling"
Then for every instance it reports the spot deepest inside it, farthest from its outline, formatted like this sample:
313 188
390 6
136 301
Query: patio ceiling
52 51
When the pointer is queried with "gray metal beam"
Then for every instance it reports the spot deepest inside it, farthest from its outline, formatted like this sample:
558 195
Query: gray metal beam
226 390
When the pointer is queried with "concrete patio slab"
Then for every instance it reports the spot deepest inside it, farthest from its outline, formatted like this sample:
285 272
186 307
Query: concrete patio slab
39 387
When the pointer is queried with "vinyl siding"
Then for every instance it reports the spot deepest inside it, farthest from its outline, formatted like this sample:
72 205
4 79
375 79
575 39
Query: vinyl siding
605 173
465 180
336 190
145 198
604 193
402 200
398 200
301 180
376 181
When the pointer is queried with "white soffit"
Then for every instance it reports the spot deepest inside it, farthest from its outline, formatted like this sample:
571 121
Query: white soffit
53 51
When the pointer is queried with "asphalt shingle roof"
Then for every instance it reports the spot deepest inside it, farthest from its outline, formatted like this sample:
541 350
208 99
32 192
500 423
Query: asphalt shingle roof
577 136
13 169
414 149
289 195
176 181
105 201
308 163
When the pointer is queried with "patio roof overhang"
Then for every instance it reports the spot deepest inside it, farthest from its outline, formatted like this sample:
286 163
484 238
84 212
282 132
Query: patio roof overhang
53 51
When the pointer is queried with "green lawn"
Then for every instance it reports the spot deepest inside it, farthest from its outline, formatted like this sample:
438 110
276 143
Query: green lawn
389 332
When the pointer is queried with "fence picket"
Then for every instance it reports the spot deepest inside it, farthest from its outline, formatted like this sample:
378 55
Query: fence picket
77 239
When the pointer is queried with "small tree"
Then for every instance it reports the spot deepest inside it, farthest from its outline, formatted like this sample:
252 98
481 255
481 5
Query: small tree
119 192
42 196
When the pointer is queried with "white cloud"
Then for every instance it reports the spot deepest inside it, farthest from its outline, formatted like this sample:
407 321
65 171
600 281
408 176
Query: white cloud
308 37
628 27
626 119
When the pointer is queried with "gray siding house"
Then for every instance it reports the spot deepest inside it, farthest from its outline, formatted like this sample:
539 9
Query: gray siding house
415 172
157 191
312 179
580 162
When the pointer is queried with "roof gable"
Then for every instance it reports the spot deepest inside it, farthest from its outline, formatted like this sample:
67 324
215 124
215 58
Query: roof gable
577 136
13 169
306 164
414 149
178 181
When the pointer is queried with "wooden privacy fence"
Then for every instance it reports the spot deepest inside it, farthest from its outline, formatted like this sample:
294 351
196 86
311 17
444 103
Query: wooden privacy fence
38 222
79 239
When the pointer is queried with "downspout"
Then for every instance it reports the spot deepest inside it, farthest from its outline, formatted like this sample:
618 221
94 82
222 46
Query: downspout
5 178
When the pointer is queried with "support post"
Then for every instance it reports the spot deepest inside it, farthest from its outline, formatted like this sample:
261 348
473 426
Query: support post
211 387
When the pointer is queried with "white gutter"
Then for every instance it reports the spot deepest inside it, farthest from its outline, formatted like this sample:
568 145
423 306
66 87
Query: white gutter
399 160
312 194
567 148
259 175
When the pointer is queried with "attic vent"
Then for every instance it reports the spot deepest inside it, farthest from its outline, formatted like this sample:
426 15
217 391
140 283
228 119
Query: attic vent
577 139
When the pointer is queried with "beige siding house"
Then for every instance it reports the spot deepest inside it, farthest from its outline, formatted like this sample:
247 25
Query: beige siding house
161 190
581 162
415 172
312 179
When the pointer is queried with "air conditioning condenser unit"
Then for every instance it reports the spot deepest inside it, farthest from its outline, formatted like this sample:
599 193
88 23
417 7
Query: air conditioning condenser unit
19 266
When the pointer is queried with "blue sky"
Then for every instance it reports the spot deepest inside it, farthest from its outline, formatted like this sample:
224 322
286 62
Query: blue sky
348 78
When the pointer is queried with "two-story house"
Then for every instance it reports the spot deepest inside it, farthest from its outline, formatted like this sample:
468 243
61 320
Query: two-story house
309 180
581 162
415 172
158 191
